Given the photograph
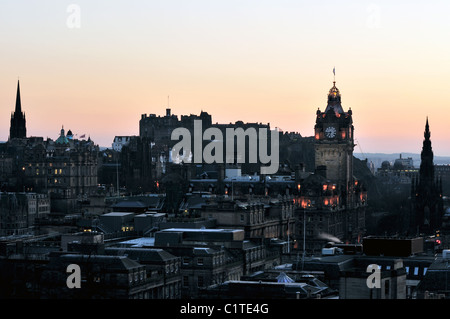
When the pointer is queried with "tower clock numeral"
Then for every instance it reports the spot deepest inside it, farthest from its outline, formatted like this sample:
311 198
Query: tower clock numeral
330 132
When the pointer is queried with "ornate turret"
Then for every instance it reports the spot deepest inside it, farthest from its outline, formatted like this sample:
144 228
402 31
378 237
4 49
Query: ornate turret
334 100
426 164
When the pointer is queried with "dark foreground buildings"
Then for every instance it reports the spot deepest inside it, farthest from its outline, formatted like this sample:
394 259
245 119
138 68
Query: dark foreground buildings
64 169
199 230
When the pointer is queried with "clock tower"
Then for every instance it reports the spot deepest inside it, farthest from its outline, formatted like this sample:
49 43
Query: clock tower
334 142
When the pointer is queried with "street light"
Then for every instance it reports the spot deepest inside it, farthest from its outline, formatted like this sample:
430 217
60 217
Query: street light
304 238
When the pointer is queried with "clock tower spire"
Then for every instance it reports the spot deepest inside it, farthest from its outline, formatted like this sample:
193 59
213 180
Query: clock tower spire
334 141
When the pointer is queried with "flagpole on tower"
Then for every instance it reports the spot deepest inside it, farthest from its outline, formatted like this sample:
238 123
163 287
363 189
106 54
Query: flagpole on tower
334 74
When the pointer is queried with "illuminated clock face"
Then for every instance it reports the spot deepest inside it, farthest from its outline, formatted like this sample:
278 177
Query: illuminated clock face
330 132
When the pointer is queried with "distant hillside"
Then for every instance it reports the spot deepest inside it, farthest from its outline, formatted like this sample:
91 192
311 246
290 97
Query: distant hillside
378 158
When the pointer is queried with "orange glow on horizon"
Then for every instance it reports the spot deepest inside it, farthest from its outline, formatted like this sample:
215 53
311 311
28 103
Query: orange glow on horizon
271 64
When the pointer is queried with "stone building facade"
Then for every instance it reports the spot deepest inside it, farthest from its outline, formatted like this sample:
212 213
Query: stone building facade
19 212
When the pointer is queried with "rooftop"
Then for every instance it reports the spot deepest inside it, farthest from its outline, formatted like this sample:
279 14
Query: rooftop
141 254
139 242
117 214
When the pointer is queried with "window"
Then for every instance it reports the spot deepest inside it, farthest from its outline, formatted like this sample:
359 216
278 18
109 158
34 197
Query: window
200 261
386 287
416 271
200 281
185 281
185 261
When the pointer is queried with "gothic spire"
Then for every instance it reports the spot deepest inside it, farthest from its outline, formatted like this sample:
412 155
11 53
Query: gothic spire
18 103
427 131
427 210
426 165
18 122
426 149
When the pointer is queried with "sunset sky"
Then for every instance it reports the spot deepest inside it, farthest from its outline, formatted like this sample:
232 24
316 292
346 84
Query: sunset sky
96 70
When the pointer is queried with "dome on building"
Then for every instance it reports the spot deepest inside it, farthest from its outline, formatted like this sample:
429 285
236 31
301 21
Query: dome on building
334 100
334 91
62 139
385 165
